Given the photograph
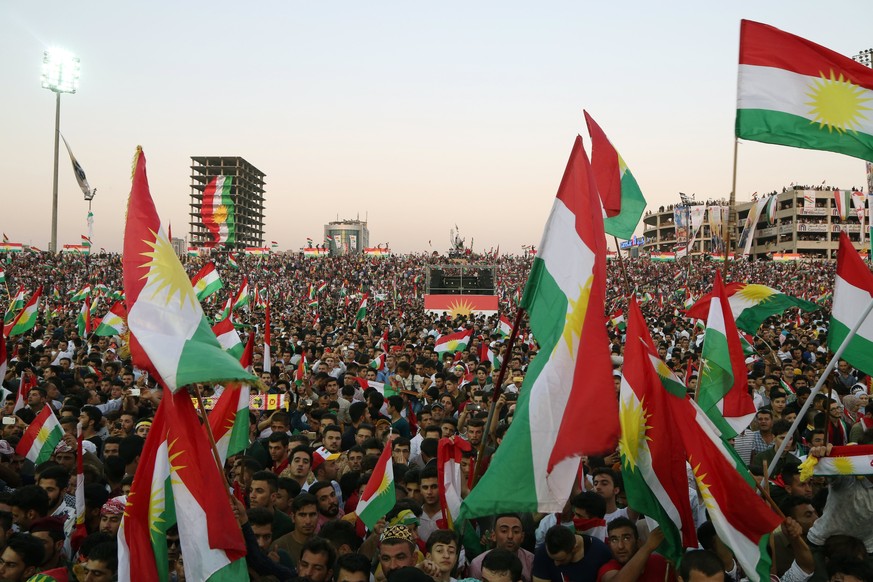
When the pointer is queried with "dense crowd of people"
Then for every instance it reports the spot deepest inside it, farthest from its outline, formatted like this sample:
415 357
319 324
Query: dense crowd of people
297 484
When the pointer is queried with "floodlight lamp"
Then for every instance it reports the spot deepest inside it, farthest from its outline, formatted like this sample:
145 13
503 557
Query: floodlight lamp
60 71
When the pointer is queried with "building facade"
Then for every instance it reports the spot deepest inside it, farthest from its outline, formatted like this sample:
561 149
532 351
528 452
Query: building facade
347 236
806 222
247 192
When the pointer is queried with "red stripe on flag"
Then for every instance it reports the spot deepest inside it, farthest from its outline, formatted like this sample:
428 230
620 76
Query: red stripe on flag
766 46
29 436
851 267
605 166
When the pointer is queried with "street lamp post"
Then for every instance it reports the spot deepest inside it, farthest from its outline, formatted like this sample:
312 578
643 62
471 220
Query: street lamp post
60 74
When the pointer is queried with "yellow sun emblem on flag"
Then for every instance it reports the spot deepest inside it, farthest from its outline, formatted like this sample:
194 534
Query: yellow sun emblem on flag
575 317
461 307
166 272
843 465
633 416
756 293
220 214
703 486
837 103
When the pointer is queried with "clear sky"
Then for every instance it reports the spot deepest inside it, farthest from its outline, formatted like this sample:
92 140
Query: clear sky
418 115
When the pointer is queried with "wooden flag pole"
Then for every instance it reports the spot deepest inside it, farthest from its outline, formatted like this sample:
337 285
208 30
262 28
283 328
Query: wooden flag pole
732 216
519 315
212 442
627 281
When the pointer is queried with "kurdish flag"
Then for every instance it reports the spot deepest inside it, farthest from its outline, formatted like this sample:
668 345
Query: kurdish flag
42 436
794 92
723 389
617 320
379 495
232 262
453 342
652 456
243 298
504 326
114 322
841 462
217 211
207 281
361 313
83 321
26 318
742 520
567 406
229 420
621 195
853 291
209 533
149 512
751 304
177 482
169 334
487 355
83 294
2 276
228 338
15 305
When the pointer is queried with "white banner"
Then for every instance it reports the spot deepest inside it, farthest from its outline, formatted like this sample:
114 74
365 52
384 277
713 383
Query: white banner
751 222
697 214
718 219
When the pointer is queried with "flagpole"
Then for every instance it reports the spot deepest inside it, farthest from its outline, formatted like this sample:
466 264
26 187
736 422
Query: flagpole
627 285
732 215
212 442
519 314
801 416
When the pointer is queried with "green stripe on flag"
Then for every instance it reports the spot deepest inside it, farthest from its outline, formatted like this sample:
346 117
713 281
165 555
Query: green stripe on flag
792 130
633 204
859 351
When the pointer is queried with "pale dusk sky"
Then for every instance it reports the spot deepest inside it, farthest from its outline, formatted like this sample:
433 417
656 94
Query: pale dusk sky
419 116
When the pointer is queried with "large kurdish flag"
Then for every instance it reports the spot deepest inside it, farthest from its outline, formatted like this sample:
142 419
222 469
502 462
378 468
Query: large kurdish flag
169 334
42 436
567 407
853 291
379 495
217 211
652 457
794 92
742 520
751 304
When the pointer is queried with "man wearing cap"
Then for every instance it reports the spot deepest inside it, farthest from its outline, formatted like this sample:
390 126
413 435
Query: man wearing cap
111 514
397 549
325 468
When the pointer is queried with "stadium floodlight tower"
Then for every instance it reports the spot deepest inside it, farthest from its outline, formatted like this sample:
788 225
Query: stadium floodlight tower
60 74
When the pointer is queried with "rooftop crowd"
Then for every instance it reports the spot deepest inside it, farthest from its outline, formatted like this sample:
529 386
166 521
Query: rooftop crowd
297 485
